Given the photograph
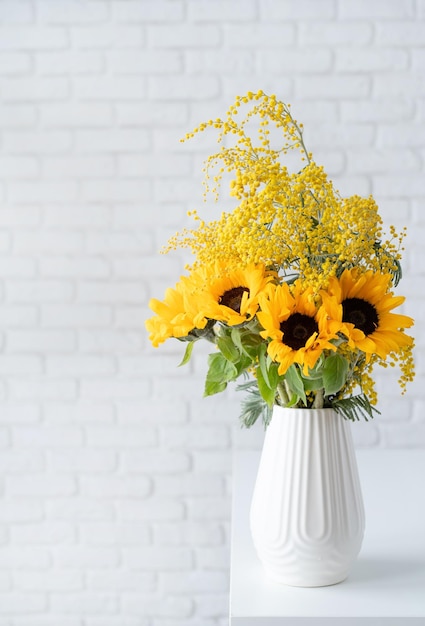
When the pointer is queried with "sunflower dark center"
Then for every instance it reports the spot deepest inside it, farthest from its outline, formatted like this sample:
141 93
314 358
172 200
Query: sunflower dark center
360 313
297 329
232 298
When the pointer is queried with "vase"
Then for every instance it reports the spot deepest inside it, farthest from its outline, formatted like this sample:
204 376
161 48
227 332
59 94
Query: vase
307 514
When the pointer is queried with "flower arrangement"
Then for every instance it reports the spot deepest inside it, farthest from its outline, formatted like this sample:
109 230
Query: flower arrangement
294 286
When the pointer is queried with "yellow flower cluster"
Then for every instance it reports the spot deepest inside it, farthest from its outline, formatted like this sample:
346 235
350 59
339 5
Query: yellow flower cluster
294 284
295 221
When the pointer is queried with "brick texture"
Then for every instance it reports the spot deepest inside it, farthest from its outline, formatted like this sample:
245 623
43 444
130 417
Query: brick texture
115 473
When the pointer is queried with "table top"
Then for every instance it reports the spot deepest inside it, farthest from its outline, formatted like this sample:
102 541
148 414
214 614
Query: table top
386 586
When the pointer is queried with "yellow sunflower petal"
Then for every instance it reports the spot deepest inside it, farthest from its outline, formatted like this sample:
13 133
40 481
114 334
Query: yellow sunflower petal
299 330
232 296
365 296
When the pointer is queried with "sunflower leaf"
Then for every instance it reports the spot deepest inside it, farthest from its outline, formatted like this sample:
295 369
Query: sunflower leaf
220 372
293 401
317 370
266 392
187 353
295 383
274 378
228 349
335 372
246 341
243 363
236 338
220 369
263 364
312 384
213 387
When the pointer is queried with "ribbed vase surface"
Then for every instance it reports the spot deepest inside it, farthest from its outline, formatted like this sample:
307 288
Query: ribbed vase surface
307 515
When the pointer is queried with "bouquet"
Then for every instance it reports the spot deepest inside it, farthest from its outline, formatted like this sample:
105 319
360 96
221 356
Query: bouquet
294 285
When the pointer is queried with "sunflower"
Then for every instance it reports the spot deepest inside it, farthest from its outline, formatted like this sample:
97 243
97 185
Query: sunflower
298 329
175 315
361 302
231 296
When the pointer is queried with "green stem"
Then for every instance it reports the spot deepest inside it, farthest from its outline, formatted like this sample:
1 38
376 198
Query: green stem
283 396
318 400
300 135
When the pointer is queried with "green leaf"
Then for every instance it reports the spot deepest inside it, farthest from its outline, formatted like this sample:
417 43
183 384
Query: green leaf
234 353
247 342
293 401
335 372
236 338
312 384
213 387
317 370
295 383
220 372
253 406
266 392
187 353
355 407
243 364
228 349
263 364
250 385
220 369
274 377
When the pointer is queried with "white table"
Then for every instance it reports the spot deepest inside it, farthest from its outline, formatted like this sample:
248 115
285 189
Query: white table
386 586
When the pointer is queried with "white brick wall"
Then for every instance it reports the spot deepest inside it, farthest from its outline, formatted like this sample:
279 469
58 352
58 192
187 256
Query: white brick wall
115 473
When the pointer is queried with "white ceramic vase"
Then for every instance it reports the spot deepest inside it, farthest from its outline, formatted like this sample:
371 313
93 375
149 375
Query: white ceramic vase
307 515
